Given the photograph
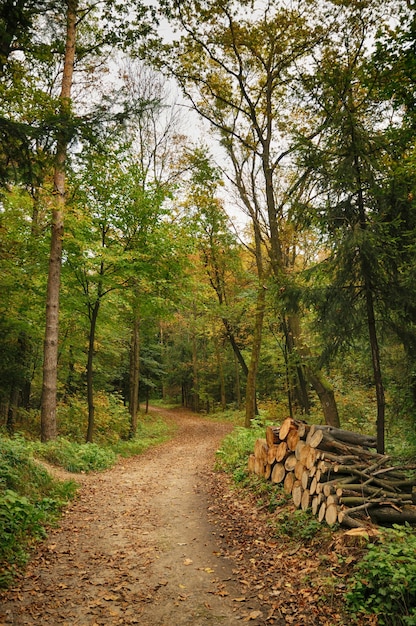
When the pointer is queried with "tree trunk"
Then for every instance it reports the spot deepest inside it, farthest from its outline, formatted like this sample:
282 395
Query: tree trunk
90 370
369 301
326 396
195 378
378 380
12 410
251 402
134 377
221 375
237 382
50 363
291 329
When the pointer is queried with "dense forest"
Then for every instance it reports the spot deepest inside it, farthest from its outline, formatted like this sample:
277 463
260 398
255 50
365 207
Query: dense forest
209 202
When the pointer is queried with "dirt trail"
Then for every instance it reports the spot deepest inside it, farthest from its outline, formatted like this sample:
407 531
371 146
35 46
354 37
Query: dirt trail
136 547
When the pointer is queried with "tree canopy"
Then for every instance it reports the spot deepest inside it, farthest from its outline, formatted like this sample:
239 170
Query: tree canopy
307 117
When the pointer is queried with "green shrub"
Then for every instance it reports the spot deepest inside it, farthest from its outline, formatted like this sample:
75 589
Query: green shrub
297 525
235 449
111 419
20 524
151 431
30 500
384 581
75 457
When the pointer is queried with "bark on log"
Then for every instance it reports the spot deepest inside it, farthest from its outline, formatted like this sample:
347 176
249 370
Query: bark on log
347 436
389 515
272 435
345 520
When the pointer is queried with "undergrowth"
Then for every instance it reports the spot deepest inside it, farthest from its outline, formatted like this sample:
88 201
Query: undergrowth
383 581
30 501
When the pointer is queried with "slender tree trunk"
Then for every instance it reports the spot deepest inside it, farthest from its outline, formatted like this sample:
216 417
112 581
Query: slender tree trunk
251 402
237 382
369 300
50 364
378 379
134 376
291 328
12 410
221 376
195 378
325 394
90 371
237 352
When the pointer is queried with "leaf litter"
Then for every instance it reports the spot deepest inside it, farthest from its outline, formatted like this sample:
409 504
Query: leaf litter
162 539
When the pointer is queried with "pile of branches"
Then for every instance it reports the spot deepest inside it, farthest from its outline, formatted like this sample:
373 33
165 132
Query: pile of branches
336 474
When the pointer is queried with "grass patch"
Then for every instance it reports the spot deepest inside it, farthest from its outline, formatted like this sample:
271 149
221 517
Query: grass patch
235 449
151 431
75 457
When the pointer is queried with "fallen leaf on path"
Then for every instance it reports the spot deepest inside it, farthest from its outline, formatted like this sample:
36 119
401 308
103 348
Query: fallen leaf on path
253 615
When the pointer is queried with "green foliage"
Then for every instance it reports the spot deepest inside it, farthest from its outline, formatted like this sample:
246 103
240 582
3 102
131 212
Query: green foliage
232 456
384 581
74 457
297 525
150 432
30 500
111 419
19 519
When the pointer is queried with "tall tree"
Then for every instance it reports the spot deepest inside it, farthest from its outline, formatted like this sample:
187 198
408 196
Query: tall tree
349 161
216 243
93 22
113 230
50 362
238 64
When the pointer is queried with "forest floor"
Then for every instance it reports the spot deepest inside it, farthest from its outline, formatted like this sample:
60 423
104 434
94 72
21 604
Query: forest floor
163 540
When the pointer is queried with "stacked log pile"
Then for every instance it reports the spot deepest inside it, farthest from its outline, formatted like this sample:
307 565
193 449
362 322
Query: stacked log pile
336 474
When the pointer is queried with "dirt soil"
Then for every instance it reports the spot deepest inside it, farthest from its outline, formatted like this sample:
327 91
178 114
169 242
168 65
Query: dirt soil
162 540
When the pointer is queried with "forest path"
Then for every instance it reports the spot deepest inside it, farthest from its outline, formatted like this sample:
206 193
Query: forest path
137 546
